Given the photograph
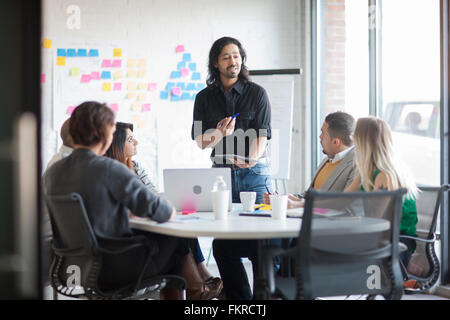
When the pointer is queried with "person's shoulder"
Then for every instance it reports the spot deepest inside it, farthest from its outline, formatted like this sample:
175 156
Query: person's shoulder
254 86
381 181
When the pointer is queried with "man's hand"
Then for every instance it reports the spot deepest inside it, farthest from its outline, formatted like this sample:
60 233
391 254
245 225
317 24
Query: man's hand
226 126
242 164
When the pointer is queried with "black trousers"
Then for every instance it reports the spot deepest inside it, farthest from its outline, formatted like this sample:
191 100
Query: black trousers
167 253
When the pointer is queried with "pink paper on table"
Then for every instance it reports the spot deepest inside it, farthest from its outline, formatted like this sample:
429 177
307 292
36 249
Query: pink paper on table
118 86
320 210
176 91
180 48
146 107
43 78
106 63
117 64
95 75
70 109
114 106
85 78
152 86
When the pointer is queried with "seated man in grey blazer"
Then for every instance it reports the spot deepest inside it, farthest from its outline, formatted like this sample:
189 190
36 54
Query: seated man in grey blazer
337 170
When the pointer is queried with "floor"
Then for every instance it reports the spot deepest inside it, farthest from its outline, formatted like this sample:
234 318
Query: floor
205 244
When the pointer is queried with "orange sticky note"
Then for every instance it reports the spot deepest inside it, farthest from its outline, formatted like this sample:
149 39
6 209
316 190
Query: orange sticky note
142 73
131 73
142 63
131 86
117 52
131 95
60 61
47 43
131 63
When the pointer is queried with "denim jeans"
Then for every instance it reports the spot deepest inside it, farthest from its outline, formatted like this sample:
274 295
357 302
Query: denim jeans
256 179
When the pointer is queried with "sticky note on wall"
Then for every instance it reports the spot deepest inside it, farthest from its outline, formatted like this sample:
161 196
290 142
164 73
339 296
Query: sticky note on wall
117 52
196 76
142 63
93 53
118 75
186 57
179 48
60 61
175 74
43 78
47 43
74 72
61 52
176 91
106 86
70 109
164 95
114 107
131 63
118 86
152 86
85 78
106 63
95 75
117 64
82 53
131 86
71 52
106 74
146 107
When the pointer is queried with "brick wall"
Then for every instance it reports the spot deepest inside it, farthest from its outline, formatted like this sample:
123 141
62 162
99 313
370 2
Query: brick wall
334 55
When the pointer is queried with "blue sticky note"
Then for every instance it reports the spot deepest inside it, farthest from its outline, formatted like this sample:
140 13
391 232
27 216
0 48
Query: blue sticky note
175 74
93 53
82 53
71 52
193 96
200 86
185 96
106 74
174 98
61 52
196 76
192 66
164 95
170 85
181 65
186 57
181 85
191 86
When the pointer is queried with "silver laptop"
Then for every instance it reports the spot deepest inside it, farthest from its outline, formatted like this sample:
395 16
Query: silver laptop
190 189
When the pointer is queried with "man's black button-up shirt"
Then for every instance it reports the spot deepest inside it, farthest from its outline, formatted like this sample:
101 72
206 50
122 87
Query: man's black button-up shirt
250 100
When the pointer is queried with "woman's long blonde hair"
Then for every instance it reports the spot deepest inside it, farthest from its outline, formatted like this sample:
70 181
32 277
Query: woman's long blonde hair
374 150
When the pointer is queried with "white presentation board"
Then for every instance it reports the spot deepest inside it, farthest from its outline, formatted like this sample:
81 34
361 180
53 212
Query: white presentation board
280 89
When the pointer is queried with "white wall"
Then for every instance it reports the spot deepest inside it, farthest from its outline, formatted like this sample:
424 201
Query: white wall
271 32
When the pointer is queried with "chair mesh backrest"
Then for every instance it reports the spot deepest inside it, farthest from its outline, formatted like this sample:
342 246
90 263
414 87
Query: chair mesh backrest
72 233
426 202
350 233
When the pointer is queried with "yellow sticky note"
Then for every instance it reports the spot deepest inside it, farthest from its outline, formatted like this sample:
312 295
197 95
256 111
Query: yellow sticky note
131 95
131 63
47 43
131 86
106 86
136 107
143 86
142 96
142 124
142 63
117 52
131 73
60 61
75 72
142 73
118 75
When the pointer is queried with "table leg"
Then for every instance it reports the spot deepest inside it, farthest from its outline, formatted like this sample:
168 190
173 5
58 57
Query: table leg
260 283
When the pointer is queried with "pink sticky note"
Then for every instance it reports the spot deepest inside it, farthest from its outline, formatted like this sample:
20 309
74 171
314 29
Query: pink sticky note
85 78
146 107
43 78
95 75
106 63
117 86
184 72
176 91
152 86
180 48
117 64
114 107
320 210
70 109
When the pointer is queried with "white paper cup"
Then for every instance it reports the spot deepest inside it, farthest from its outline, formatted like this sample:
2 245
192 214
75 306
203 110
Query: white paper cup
220 201
278 203
248 199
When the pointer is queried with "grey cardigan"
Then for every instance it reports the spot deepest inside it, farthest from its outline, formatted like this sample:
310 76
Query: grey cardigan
109 190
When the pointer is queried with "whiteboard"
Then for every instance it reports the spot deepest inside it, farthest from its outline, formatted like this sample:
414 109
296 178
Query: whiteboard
280 89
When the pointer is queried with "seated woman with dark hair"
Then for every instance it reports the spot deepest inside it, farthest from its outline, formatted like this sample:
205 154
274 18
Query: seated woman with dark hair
123 148
109 190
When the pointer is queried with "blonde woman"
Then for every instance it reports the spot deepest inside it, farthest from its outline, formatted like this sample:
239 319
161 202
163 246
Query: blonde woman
379 169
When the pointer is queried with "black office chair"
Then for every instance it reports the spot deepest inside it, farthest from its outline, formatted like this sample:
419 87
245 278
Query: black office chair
357 260
84 264
424 265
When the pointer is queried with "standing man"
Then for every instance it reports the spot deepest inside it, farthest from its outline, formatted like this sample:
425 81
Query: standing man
237 142
232 116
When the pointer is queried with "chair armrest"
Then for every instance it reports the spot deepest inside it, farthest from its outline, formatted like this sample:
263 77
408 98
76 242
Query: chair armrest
419 239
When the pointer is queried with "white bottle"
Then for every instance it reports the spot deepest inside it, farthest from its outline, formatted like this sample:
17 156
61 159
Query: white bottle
219 184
